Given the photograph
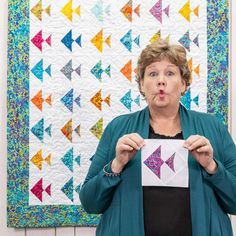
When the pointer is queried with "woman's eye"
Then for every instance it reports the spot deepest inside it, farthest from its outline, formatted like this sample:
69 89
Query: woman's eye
170 73
153 74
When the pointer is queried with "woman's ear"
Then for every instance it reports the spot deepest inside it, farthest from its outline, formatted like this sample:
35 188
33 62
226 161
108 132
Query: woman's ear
141 85
184 87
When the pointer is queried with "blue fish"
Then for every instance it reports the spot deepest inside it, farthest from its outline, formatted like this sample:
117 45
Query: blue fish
68 189
97 70
67 100
126 40
186 100
68 40
185 41
67 159
127 100
38 130
38 70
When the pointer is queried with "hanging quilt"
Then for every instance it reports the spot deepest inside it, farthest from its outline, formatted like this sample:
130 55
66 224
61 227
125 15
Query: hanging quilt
71 69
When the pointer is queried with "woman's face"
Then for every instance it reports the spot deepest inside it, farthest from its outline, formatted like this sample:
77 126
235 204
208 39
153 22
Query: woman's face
162 84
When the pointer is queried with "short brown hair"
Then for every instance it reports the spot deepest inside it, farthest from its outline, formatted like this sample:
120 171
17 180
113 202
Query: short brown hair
159 50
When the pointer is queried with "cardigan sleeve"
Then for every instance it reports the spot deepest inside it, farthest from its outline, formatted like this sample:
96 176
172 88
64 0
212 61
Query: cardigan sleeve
97 191
224 180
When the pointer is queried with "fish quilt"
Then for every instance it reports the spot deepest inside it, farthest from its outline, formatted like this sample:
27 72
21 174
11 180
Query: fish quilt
71 70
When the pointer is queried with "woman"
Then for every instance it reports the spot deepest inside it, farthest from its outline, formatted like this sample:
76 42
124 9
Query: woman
113 184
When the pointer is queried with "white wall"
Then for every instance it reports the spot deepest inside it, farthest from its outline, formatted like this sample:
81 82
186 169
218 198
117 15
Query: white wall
70 231
233 82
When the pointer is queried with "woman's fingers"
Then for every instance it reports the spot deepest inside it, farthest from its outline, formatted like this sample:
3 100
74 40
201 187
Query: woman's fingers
196 142
204 149
126 147
134 140
131 143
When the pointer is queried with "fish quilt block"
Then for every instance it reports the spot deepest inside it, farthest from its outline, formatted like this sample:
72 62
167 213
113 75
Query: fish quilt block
164 163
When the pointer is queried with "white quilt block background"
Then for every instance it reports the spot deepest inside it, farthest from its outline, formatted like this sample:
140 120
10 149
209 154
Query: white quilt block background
171 176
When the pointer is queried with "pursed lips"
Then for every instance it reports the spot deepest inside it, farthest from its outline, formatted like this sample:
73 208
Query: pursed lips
161 94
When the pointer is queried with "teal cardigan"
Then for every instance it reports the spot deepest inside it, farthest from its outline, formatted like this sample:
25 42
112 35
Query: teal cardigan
120 198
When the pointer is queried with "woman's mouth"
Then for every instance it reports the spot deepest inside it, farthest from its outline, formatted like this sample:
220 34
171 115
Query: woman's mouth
161 94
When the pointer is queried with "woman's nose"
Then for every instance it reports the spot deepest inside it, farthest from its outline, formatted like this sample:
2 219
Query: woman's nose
161 81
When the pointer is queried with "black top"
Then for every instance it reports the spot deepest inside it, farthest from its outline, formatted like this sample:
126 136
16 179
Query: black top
166 209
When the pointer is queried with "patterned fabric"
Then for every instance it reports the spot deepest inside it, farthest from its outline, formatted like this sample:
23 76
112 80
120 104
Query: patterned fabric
72 68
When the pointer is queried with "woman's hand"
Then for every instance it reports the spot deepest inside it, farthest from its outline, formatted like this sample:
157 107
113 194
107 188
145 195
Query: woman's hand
126 148
201 149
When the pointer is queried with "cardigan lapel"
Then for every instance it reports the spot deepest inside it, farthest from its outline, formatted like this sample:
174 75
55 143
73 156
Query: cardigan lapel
143 130
197 201
145 123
